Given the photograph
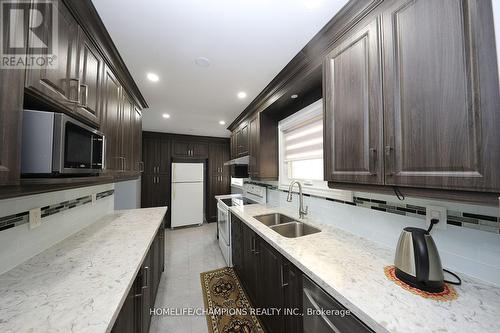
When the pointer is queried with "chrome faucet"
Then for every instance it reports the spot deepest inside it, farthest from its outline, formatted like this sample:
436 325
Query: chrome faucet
302 211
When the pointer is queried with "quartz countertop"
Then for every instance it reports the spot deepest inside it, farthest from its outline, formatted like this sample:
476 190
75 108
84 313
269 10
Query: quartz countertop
79 284
351 269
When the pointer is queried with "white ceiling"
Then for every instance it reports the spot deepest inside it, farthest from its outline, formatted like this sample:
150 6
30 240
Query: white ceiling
247 42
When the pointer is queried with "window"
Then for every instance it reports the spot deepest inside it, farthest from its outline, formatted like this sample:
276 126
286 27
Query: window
301 147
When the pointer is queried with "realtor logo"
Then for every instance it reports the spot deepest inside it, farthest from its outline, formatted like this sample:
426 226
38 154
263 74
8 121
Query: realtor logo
28 34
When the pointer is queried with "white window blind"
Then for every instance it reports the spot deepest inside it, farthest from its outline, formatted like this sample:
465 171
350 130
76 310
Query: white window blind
304 141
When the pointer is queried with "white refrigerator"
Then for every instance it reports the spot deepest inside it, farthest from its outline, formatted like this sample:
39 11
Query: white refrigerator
187 194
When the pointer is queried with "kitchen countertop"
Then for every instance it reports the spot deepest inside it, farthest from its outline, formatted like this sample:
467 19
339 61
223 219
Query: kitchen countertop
79 284
351 269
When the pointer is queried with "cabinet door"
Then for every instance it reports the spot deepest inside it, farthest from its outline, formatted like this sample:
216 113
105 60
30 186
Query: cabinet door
164 156
11 105
199 150
250 258
253 147
60 84
353 111
181 149
237 245
126 132
138 164
90 70
147 188
242 141
128 318
111 119
441 95
233 145
146 293
162 191
293 297
150 155
269 293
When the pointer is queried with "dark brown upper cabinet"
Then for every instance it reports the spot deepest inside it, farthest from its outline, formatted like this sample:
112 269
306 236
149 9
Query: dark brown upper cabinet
353 129
126 130
138 163
110 121
90 73
233 145
186 149
241 140
441 95
58 85
263 147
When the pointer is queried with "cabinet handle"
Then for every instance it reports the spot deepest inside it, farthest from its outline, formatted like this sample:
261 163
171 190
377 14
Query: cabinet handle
372 161
77 101
283 283
86 94
141 166
146 274
388 161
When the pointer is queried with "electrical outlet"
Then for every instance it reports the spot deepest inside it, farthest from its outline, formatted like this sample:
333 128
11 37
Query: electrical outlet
35 218
436 212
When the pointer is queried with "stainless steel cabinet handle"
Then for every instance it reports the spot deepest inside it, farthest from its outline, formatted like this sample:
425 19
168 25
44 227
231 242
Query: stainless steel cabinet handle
283 284
85 95
77 101
372 161
146 274
389 161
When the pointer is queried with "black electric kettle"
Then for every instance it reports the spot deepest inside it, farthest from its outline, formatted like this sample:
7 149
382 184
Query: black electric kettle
417 260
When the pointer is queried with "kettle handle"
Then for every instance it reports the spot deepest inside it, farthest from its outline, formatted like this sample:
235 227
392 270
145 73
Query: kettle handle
421 256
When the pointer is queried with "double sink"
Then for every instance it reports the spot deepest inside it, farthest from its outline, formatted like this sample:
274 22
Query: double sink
286 226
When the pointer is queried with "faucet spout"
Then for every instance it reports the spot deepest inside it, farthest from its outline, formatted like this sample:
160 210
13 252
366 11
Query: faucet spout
302 211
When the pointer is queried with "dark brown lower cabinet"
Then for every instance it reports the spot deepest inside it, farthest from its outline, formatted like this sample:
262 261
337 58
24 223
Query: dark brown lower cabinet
272 282
134 316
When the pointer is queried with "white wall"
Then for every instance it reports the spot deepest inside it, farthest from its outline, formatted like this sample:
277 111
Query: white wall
473 252
128 194
20 243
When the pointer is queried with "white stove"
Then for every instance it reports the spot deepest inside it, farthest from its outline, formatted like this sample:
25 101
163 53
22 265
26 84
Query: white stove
252 194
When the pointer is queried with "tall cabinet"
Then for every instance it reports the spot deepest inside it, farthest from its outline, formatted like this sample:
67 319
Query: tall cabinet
219 176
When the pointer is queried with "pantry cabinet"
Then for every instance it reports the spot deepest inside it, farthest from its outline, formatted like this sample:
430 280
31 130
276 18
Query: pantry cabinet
219 177
438 127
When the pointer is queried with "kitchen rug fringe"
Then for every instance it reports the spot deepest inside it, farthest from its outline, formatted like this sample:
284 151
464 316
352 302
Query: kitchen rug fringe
448 294
222 291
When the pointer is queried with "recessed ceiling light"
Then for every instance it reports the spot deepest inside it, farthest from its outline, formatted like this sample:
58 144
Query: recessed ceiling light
294 96
242 95
222 122
202 62
153 77
165 115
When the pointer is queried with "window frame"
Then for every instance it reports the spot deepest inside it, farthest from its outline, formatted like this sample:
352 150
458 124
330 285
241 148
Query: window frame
312 187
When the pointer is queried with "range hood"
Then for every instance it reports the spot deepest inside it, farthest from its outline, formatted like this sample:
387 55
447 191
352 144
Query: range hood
239 161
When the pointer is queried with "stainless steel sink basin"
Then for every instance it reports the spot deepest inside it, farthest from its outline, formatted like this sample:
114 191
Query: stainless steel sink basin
273 219
294 229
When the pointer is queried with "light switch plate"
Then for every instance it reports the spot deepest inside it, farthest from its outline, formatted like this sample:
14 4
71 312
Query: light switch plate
35 218
436 212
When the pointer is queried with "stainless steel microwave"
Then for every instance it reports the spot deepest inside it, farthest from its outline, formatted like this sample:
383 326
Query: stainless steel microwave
55 144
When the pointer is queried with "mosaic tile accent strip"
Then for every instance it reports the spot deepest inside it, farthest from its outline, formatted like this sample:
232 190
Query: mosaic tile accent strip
65 205
102 195
460 219
14 220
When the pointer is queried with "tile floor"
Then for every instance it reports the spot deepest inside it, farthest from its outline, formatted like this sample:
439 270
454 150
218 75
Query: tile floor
189 252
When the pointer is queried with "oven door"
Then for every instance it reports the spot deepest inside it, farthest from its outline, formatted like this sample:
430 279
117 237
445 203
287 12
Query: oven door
81 148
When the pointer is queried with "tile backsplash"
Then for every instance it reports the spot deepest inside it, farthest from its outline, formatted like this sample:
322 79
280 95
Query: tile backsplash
63 213
469 245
